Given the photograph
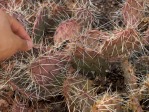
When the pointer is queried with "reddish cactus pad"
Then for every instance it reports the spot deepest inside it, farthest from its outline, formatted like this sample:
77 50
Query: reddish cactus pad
67 30
45 69
132 12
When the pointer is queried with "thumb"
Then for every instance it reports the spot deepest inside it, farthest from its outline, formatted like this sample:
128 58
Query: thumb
22 44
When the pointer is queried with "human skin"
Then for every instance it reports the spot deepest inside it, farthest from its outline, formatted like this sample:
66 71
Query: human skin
13 37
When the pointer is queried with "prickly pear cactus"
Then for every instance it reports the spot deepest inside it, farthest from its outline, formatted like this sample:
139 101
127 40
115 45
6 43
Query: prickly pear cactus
79 94
67 30
78 39
108 103
41 23
41 77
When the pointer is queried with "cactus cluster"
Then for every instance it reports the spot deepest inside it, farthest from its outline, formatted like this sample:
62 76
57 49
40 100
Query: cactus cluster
78 60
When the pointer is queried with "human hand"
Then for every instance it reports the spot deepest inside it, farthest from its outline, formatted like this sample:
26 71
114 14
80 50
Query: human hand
13 37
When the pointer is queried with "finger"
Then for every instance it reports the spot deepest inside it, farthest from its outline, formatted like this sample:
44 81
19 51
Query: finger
18 29
22 44
4 24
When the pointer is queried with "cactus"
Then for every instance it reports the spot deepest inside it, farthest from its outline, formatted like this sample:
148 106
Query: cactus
132 12
20 106
41 77
131 80
129 74
144 92
82 45
57 14
145 86
91 13
146 37
85 52
79 93
134 104
85 13
121 43
146 82
50 70
97 46
108 103
3 3
41 22
67 30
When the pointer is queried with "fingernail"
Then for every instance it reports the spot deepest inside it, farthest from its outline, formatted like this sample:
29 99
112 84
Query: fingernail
30 44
